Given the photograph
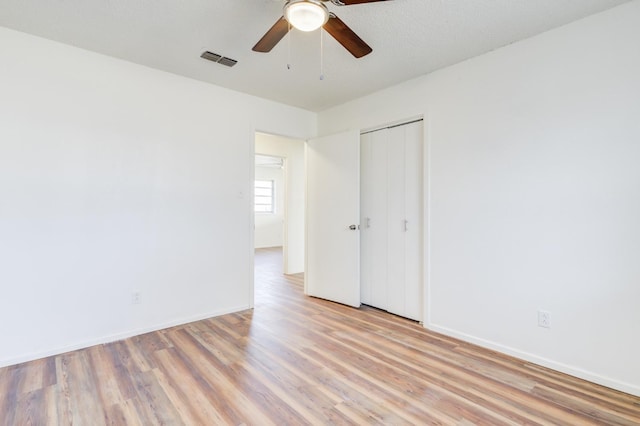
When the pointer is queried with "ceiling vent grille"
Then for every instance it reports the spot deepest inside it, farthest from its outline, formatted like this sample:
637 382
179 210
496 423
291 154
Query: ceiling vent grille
219 59
227 61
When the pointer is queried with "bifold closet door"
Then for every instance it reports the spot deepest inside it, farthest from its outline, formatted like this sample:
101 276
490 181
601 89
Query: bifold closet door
396 221
405 222
366 241
391 221
373 222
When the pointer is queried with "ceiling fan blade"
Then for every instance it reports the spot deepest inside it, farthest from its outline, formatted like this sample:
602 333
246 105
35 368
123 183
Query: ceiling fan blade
273 36
346 37
350 2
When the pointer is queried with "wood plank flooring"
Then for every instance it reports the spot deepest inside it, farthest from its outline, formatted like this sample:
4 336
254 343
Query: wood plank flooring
298 360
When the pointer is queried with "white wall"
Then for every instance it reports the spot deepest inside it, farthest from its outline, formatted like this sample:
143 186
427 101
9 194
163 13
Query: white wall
534 194
293 151
113 178
269 226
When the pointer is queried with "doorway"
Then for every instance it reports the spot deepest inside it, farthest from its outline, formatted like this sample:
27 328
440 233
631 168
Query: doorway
279 187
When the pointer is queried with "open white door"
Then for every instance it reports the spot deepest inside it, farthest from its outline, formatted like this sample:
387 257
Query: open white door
332 214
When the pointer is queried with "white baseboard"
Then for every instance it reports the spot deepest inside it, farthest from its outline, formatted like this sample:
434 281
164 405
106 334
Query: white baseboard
117 336
526 356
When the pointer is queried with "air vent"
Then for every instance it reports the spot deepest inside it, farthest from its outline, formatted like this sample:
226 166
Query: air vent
210 56
219 59
227 61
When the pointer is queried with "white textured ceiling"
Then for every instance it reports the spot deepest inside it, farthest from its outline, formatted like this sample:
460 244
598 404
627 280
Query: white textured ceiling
409 38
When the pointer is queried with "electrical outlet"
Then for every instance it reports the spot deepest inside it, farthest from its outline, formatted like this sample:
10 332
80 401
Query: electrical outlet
135 298
544 319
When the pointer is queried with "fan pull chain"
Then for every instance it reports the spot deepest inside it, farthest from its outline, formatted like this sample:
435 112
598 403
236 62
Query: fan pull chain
321 55
289 48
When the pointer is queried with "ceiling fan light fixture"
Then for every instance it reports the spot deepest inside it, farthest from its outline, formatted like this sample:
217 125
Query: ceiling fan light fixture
306 15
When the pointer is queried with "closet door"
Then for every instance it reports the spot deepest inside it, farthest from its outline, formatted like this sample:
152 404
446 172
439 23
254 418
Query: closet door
404 221
413 261
396 230
373 223
391 222
366 238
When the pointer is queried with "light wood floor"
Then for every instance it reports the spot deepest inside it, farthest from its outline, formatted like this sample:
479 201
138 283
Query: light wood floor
297 360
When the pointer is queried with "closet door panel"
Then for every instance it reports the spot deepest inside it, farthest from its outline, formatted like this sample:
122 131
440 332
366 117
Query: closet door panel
396 221
378 219
366 238
413 212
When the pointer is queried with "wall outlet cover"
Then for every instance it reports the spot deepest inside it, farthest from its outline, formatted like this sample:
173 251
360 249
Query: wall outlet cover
544 319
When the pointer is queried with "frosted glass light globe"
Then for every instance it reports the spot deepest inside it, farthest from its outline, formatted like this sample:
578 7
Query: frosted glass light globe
306 15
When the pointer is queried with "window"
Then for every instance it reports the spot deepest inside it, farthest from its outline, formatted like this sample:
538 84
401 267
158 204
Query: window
264 196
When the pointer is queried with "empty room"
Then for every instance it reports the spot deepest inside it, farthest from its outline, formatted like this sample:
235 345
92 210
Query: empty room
268 212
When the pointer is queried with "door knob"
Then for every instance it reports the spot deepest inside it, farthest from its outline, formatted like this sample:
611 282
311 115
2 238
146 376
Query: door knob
353 227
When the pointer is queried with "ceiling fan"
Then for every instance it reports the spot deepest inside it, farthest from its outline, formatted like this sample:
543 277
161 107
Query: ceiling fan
309 15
